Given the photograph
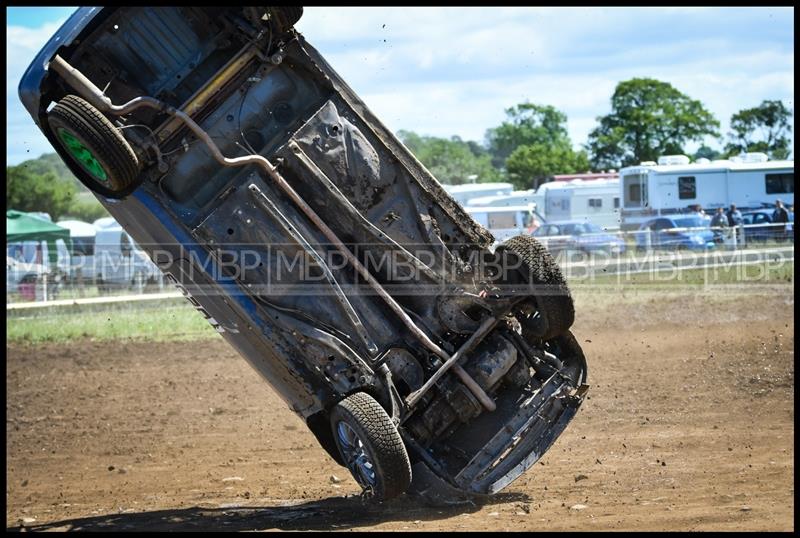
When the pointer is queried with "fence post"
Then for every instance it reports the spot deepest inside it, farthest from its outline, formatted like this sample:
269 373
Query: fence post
734 232
648 240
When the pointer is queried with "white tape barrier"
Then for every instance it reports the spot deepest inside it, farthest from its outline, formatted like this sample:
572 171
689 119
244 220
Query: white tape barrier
95 300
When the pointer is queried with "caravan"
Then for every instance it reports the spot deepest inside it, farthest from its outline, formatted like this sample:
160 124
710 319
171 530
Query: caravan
674 185
82 235
464 193
512 198
596 201
118 261
509 221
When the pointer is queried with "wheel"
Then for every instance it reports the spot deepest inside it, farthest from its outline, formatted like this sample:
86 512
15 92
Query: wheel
286 17
107 162
555 310
371 447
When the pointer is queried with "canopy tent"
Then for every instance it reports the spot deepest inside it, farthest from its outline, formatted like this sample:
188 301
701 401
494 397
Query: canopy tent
26 227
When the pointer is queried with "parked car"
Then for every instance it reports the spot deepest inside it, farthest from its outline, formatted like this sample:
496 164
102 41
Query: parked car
457 358
579 235
690 232
761 218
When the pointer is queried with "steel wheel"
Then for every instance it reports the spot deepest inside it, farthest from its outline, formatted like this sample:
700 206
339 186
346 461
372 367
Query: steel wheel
370 446
355 456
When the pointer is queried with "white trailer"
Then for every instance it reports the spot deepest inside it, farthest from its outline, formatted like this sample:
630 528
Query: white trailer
507 221
463 193
82 235
596 201
512 198
674 185
118 260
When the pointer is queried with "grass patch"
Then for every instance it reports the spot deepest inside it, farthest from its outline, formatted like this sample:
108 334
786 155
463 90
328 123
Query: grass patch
152 321
753 274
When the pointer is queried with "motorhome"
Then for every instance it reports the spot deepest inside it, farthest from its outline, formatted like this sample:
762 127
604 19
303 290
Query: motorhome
675 185
509 221
596 201
82 235
463 193
512 198
118 261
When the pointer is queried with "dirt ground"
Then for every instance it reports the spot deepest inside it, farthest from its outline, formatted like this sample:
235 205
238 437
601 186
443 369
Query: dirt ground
689 425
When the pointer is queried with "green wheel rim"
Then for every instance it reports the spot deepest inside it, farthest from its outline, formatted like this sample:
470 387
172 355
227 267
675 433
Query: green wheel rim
82 154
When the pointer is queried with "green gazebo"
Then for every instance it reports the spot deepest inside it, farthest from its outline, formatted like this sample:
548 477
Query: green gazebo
26 227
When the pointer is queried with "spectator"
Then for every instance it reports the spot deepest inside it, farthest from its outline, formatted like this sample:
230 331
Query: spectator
780 217
720 220
734 216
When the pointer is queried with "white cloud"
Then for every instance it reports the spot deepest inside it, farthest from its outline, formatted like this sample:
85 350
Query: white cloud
446 71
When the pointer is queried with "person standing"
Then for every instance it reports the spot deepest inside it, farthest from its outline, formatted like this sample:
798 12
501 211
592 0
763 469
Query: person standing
719 223
734 216
780 217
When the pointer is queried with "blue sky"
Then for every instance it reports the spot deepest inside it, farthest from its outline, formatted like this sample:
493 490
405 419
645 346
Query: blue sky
453 71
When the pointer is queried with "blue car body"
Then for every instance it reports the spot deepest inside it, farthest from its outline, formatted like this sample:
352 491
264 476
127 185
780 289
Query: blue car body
687 232
579 235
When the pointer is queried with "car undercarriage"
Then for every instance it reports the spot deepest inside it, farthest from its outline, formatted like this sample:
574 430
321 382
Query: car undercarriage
316 243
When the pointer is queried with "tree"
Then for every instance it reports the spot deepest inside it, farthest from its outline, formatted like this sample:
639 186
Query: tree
27 191
764 128
530 166
46 184
533 144
527 124
452 161
648 119
705 152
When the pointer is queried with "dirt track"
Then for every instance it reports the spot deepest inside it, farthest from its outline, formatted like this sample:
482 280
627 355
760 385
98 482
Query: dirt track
689 425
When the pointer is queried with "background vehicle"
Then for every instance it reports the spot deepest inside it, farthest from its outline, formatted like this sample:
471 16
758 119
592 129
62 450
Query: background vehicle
595 200
579 235
463 193
82 259
669 187
761 232
507 221
458 359
675 233
118 262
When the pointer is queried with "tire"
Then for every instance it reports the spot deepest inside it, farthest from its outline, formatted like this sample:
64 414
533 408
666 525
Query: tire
285 17
547 287
92 143
361 425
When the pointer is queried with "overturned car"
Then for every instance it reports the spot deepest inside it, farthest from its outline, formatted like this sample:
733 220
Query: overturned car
315 242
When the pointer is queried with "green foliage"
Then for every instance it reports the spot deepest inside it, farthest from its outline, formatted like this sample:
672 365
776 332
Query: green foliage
648 119
451 161
533 144
86 210
705 152
28 191
764 128
530 165
46 184
527 124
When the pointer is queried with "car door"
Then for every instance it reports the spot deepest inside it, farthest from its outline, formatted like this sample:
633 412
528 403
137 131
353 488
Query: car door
658 237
